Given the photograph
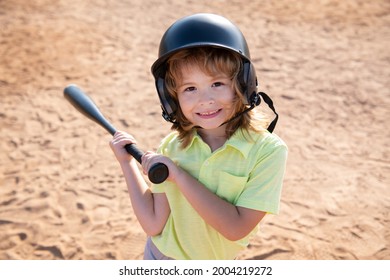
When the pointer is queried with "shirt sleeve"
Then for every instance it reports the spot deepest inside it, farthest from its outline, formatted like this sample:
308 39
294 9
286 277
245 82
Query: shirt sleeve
263 189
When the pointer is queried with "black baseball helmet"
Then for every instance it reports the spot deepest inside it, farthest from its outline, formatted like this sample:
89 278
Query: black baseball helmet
203 30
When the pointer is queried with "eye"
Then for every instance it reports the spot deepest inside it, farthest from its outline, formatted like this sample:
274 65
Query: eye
217 84
190 89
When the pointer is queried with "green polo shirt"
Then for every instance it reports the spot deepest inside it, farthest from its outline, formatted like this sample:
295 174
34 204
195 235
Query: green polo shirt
247 171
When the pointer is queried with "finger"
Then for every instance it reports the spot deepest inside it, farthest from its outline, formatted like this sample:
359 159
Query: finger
124 137
147 160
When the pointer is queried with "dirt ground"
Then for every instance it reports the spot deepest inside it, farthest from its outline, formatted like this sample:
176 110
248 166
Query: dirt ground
326 64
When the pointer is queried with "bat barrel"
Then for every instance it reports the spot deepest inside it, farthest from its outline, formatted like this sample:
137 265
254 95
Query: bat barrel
157 173
87 107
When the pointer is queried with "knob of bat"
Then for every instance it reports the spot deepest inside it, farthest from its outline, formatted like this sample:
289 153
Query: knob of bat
158 173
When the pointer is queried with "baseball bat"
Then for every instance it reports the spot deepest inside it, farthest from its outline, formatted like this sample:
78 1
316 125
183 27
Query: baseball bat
84 104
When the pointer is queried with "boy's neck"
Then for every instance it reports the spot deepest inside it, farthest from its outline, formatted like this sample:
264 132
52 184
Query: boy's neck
215 138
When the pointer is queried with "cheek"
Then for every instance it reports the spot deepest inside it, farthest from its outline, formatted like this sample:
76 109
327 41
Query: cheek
186 104
228 99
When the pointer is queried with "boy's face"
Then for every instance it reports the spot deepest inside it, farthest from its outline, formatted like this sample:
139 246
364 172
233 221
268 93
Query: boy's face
206 101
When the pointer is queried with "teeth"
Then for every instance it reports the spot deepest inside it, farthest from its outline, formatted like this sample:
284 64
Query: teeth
208 113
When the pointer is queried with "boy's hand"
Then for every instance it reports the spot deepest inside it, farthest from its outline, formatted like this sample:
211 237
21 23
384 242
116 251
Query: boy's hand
150 158
118 143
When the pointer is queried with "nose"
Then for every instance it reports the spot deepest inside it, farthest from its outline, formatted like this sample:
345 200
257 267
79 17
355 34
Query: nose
206 97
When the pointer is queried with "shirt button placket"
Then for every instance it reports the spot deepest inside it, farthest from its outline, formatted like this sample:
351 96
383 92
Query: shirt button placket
204 170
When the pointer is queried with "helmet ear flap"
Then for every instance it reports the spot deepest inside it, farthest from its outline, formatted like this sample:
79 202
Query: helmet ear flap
168 105
248 82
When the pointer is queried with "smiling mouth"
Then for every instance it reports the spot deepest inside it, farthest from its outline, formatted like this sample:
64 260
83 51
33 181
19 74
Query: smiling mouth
209 114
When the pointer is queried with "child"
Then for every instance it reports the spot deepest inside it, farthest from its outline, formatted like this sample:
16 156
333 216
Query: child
225 168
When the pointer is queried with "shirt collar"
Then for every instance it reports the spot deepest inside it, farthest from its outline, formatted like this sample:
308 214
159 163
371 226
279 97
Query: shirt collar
195 139
241 140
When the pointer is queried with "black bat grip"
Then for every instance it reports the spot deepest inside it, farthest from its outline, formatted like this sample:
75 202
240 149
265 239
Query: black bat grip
157 173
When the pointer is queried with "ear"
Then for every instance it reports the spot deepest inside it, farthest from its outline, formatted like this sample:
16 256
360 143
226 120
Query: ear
168 105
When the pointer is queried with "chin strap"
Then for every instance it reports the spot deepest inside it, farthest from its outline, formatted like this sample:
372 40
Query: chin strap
255 101
270 104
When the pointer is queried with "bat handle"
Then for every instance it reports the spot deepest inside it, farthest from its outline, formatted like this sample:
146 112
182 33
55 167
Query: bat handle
158 173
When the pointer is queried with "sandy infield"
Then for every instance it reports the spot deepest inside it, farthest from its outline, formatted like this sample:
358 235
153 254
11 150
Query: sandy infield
326 64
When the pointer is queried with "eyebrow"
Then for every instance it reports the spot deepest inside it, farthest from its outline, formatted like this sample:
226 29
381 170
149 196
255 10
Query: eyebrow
184 84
